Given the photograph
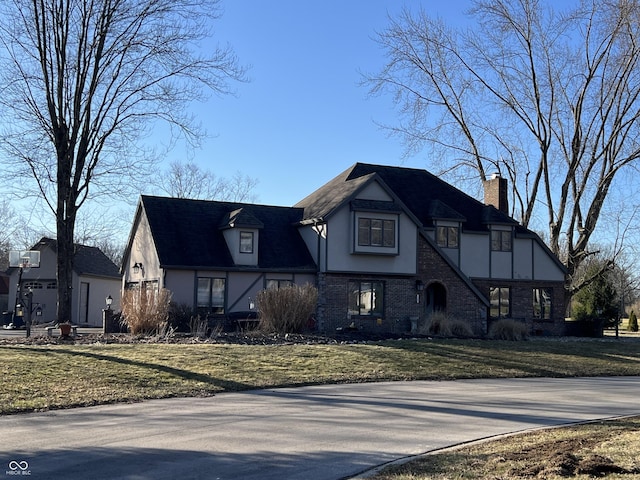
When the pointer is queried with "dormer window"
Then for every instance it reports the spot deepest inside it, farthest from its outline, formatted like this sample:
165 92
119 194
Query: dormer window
246 242
447 237
501 240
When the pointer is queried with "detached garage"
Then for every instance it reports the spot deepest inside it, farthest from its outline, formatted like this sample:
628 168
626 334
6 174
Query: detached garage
95 277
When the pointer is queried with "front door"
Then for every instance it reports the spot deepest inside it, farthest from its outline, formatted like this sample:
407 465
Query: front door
436 300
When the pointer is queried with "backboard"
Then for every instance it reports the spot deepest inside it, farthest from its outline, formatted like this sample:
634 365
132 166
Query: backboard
24 258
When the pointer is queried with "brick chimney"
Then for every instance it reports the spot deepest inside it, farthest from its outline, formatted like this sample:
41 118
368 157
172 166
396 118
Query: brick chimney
495 193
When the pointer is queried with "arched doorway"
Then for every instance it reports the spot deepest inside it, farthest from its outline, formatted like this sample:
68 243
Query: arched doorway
436 300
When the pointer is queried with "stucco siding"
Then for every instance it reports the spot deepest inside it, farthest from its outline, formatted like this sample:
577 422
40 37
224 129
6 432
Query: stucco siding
474 255
340 256
545 268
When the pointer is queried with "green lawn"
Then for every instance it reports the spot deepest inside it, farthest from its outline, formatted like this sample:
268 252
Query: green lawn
61 376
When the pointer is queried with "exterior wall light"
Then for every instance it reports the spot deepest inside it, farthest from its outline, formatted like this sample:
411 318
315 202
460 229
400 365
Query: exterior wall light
419 289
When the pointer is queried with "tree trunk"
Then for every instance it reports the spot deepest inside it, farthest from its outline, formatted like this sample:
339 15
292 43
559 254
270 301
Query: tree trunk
65 255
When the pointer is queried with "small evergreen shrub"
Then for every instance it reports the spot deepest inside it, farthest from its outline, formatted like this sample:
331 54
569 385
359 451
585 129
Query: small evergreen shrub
287 309
146 311
441 324
633 322
508 329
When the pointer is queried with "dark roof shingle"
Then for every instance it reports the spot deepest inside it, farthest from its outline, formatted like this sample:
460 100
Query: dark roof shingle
188 233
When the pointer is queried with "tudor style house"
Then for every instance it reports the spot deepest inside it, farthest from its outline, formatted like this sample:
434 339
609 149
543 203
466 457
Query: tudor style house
386 247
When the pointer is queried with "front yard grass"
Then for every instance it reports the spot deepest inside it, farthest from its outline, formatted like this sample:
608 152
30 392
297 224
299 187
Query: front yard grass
61 376
595 450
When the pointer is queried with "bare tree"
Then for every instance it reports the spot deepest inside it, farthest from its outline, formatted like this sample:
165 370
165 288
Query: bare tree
84 80
188 180
10 224
548 98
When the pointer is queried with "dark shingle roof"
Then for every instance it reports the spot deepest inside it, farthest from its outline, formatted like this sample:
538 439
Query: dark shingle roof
189 233
425 195
86 261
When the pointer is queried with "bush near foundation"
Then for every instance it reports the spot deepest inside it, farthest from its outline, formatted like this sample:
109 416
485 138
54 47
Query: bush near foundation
443 325
508 329
146 311
287 309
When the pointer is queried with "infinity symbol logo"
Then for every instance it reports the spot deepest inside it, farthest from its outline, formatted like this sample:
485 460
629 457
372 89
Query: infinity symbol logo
13 465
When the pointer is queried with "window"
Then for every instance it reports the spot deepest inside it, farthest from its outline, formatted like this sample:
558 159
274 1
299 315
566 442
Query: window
246 242
276 284
32 286
366 298
542 303
500 302
52 285
211 294
376 232
447 237
501 240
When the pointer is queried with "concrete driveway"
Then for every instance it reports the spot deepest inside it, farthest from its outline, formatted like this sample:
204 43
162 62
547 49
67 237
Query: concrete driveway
313 433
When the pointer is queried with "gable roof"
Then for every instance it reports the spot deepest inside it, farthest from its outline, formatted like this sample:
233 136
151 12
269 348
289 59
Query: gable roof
426 196
189 233
86 260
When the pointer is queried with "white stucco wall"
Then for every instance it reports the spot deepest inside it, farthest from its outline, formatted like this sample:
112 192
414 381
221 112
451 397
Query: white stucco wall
143 251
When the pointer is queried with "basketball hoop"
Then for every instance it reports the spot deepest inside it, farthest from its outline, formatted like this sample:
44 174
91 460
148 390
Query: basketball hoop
25 264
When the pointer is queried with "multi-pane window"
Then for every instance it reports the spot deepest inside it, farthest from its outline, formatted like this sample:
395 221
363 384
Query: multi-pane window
447 237
276 284
366 298
376 232
542 303
501 240
500 302
210 295
246 242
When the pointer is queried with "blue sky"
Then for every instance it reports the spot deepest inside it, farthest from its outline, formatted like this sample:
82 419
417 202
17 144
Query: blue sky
303 118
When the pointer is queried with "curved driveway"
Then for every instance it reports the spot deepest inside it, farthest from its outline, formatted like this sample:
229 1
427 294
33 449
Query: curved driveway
311 433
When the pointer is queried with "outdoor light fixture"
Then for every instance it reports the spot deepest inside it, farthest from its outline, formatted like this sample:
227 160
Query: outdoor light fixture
109 301
419 289
137 267
252 305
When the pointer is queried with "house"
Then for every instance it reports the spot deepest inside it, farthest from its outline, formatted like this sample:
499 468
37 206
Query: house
394 245
95 277
215 257
386 247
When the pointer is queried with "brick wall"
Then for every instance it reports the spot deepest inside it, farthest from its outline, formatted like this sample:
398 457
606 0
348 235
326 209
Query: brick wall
461 302
401 303
522 303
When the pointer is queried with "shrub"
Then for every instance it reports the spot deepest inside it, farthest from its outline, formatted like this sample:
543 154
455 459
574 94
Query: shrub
146 311
180 316
287 309
633 322
439 323
508 329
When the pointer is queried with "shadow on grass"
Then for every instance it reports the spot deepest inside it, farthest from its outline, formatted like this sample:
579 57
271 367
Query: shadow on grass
535 358
184 374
